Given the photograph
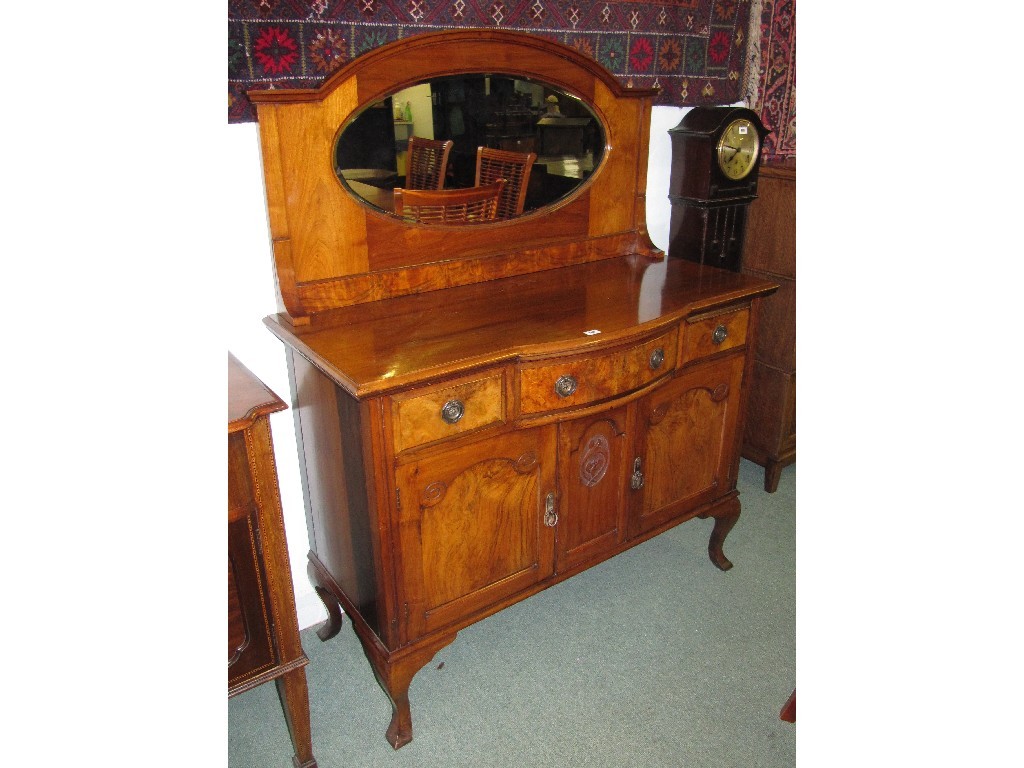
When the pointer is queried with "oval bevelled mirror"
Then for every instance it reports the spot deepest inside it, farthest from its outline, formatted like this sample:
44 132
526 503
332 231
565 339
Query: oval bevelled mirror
511 118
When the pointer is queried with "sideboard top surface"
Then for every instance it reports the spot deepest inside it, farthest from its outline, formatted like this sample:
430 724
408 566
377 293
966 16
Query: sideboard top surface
383 346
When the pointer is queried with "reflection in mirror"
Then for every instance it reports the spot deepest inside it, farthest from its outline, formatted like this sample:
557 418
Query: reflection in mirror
472 111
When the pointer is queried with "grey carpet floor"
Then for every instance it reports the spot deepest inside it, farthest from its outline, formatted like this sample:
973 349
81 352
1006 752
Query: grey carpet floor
653 658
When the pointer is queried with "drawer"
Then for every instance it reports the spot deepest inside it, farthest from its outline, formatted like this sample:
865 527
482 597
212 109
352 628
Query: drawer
421 417
710 334
578 380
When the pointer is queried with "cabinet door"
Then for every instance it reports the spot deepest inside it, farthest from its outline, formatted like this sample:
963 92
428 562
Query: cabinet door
687 441
472 525
592 479
250 644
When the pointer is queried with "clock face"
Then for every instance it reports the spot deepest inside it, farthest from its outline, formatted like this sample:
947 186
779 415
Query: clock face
738 148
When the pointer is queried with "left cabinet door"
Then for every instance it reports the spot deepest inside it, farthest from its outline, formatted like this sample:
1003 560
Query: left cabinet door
472 527
250 641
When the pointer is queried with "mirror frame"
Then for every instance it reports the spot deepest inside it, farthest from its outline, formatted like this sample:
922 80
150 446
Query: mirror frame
330 250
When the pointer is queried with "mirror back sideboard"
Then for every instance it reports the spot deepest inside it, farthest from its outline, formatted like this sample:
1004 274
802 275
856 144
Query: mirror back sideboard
483 411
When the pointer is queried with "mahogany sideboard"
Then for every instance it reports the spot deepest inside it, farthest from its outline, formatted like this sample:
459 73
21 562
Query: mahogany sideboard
770 252
263 631
485 410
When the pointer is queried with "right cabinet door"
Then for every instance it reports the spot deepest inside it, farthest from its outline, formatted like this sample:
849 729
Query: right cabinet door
686 442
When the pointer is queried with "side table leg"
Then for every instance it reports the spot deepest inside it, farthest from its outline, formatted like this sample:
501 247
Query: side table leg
294 695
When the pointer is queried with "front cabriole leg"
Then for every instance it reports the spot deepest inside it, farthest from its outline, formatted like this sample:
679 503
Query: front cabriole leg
724 521
395 673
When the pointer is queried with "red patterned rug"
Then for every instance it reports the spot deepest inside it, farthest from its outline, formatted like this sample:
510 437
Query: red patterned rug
773 94
693 50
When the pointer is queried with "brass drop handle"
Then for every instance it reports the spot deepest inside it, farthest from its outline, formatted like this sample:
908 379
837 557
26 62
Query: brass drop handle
550 515
565 385
636 482
720 334
452 411
657 358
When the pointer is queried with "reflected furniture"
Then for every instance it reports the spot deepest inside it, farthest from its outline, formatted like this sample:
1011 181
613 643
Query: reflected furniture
563 135
769 438
427 163
449 206
472 110
484 411
514 168
263 631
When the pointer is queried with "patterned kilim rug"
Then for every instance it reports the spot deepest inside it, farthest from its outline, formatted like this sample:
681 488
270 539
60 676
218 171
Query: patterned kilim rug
693 50
771 88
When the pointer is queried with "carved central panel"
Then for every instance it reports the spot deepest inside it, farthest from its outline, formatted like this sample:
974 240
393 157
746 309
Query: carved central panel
594 460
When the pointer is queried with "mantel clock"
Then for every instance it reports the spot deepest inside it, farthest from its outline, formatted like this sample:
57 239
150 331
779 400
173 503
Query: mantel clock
716 152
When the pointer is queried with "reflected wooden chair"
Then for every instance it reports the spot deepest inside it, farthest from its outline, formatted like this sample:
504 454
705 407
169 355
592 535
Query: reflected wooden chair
427 163
514 167
449 206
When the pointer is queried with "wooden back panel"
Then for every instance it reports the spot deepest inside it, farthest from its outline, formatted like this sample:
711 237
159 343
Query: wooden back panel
332 250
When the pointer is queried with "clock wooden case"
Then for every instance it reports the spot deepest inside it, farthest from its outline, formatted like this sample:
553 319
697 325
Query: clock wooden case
715 158
485 410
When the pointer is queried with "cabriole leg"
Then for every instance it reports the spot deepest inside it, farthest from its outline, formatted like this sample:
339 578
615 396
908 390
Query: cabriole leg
333 623
395 676
724 521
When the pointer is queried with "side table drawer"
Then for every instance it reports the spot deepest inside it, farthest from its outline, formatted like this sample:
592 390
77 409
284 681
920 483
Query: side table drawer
711 334
421 417
575 381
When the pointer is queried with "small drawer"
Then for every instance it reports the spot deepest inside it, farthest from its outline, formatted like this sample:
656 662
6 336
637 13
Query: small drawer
710 334
578 380
421 417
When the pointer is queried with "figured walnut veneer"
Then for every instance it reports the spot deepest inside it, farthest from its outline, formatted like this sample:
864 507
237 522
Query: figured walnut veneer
331 249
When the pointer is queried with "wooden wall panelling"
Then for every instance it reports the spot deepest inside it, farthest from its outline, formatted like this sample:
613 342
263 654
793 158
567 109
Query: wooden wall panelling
770 253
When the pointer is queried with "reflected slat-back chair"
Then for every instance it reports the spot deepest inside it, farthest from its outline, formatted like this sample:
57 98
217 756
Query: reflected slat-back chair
514 167
427 163
449 206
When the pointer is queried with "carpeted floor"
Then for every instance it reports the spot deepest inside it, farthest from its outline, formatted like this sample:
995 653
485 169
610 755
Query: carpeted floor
653 658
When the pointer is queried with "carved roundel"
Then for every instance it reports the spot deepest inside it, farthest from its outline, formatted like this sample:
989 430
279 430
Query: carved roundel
433 493
594 460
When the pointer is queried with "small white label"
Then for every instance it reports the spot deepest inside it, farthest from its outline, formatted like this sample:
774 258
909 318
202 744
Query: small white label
741 129
591 333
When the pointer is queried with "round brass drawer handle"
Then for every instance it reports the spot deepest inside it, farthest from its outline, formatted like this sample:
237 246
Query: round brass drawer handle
565 386
721 332
452 411
657 358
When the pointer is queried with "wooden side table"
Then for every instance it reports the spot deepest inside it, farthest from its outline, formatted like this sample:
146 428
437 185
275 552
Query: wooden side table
263 630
